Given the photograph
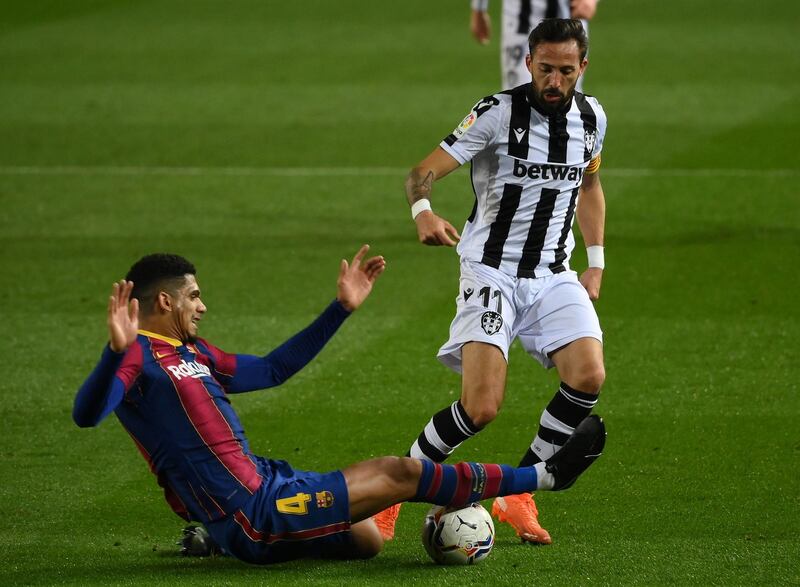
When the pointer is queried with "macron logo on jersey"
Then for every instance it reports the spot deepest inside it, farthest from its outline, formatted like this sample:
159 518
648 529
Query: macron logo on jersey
192 369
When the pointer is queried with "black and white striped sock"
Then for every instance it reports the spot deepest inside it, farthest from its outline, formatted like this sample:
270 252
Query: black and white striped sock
564 412
443 433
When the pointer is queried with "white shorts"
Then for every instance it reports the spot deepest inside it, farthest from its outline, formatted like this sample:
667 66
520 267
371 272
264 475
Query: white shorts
545 313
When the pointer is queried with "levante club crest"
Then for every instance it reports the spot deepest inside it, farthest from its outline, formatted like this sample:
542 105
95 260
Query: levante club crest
491 322
589 137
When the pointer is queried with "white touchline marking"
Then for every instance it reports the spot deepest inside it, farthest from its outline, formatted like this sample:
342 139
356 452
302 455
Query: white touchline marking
123 170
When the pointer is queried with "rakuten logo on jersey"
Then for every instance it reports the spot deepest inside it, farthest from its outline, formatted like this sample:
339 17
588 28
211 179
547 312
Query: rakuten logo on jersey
547 172
193 369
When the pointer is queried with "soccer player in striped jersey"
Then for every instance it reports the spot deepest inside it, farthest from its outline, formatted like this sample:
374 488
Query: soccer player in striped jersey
519 17
171 392
535 154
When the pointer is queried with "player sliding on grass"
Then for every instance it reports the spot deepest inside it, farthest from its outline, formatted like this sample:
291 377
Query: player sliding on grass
170 390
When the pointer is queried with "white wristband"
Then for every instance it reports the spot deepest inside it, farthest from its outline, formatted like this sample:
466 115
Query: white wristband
596 256
480 5
419 207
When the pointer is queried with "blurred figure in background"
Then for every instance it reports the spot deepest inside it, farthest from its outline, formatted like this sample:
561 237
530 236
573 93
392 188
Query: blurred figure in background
520 17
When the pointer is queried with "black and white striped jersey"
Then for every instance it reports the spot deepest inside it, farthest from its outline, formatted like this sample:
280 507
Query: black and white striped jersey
526 168
526 14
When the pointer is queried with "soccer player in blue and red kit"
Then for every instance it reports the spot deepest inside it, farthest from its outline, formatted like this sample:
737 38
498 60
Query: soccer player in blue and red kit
171 392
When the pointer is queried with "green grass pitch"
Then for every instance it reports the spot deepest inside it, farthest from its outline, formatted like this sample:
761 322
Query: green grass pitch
267 140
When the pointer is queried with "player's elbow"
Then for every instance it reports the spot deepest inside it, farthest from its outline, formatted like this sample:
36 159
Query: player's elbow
82 418
82 422
278 374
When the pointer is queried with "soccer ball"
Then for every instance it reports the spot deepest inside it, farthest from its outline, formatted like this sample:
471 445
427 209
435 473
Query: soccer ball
458 537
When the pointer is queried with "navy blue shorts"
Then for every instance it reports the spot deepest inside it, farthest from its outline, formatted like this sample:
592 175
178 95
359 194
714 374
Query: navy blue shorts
295 514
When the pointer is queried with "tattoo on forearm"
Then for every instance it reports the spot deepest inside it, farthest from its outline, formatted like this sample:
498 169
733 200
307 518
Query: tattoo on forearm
418 187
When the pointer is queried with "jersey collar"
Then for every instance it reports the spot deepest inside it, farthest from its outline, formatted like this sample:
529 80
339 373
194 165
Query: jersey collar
173 341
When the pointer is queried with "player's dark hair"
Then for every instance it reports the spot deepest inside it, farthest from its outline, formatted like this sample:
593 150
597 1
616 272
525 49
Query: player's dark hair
558 30
154 273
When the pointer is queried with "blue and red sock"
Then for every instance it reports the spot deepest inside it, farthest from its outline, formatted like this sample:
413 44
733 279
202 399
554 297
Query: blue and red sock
464 483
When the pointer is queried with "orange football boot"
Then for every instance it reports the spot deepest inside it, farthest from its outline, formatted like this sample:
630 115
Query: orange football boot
386 520
520 512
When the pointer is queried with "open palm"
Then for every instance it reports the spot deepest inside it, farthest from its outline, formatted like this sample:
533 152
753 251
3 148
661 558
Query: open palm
123 317
357 277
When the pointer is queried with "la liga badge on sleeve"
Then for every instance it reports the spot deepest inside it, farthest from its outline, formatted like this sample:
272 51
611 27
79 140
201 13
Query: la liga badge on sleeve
469 119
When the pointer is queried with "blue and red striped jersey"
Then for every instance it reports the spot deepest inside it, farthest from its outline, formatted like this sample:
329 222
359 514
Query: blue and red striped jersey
172 398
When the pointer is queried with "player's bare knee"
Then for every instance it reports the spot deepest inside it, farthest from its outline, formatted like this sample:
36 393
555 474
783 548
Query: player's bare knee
403 474
408 469
366 540
482 413
371 550
590 378
401 470
369 547
387 466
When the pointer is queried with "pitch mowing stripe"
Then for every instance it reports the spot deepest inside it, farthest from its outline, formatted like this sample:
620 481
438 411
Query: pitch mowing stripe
203 171
351 171
644 172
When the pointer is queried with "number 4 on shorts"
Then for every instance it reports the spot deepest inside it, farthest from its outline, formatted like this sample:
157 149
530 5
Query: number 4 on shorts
297 505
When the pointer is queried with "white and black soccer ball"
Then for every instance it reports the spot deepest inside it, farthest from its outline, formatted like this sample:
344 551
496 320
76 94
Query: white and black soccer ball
458 537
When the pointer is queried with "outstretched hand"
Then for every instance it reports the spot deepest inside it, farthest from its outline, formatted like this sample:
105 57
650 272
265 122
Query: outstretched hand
123 317
356 278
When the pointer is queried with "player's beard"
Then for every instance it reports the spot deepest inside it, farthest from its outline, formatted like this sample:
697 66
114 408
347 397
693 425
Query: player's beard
552 107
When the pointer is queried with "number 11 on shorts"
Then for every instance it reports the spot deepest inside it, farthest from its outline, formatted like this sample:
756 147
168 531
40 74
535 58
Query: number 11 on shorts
486 293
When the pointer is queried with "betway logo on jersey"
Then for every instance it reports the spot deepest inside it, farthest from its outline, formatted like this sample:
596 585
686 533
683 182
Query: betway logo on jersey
547 172
191 369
